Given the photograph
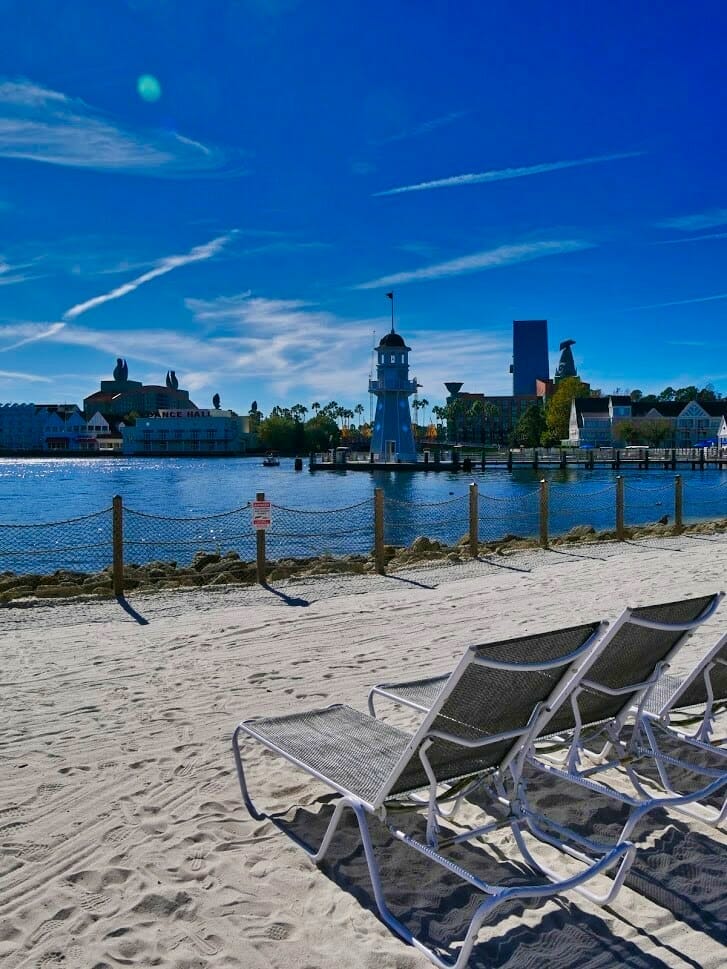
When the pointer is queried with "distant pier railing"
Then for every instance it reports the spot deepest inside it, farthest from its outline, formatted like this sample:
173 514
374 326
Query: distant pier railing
468 457
101 551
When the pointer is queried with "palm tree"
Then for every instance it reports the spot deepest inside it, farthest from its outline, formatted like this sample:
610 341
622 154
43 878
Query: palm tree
424 403
490 415
416 404
359 409
477 414
315 407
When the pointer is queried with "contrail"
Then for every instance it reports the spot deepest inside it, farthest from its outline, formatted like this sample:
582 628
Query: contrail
166 265
500 175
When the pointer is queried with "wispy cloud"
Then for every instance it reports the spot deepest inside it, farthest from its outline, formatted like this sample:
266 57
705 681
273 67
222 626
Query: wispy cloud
10 274
166 265
30 377
28 333
681 302
692 223
702 238
480 261
39 124
423 127
502 174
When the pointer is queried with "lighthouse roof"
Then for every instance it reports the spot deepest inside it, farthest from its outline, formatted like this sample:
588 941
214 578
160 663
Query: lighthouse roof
392 340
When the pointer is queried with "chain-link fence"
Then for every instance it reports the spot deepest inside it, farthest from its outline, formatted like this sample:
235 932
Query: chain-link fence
121 536
443 521
299 533
571 508
649 504
704 501
148 538
77 544
511 515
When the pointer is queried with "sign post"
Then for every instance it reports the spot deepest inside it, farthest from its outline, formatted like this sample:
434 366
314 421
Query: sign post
261 520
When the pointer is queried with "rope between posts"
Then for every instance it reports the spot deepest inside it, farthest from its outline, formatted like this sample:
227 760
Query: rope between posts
427 504
189 518
322 511
63 521
511 500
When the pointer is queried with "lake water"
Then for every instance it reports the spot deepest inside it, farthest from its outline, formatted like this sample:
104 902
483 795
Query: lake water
174 506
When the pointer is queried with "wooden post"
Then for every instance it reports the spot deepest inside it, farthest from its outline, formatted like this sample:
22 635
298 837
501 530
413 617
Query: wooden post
117 532
563 458
620 508
379 561
260 547
509 459
618 458
678 504
544 513
474 520
535 459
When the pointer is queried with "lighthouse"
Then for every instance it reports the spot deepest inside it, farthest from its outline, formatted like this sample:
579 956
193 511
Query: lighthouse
392 439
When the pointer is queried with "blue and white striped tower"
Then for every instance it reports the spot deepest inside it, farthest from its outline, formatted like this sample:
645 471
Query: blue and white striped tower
393 439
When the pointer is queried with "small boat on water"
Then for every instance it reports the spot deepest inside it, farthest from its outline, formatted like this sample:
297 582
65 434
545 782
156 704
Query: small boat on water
271 460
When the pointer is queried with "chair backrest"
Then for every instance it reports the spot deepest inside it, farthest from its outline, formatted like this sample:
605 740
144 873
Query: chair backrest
627 656
693 689
492 693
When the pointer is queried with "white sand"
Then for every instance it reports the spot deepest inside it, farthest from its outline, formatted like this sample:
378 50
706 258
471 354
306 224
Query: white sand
123 839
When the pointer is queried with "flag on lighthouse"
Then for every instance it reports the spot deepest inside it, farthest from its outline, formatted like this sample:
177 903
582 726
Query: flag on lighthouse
389 295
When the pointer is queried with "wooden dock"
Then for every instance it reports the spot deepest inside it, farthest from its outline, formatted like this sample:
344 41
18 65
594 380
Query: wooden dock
467 459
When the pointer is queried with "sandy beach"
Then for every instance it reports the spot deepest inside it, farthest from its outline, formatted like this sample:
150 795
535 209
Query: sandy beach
123 838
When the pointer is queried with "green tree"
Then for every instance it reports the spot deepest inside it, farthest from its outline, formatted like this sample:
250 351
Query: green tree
530 426
655 432
359 409
321 432
557 415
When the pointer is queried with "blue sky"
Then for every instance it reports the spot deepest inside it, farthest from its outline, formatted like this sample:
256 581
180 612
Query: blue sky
486 161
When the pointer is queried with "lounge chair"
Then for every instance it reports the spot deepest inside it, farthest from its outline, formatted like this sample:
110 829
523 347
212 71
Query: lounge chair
609 704
498 698
704 686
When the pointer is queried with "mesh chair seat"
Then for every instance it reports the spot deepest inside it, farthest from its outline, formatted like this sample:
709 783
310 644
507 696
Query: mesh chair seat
665 688
423 693
355 753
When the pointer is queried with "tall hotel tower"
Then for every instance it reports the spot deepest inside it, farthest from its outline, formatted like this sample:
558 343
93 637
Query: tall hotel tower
529 355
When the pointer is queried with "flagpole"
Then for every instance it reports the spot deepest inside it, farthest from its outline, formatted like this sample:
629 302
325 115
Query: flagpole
391 297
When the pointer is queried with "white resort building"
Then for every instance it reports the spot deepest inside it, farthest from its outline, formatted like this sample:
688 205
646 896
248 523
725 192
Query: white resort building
57 428
604 421
188 432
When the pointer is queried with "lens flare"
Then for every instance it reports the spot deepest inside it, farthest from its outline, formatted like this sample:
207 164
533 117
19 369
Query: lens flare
148 88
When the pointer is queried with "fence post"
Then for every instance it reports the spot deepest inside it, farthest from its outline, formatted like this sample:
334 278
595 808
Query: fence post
678 504
379 531
474 519
117 533
544 513
619 508
260 547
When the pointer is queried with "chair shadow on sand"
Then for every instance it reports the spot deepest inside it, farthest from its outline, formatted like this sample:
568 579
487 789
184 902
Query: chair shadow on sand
437 905
678 866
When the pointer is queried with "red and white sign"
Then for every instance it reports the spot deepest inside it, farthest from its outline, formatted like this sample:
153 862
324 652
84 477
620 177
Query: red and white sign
261 514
